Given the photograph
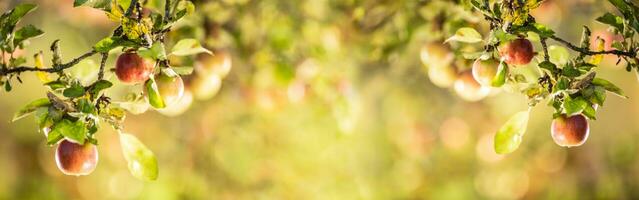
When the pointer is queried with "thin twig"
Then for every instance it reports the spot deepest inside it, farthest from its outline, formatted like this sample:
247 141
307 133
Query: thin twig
102 64
61 67
585 51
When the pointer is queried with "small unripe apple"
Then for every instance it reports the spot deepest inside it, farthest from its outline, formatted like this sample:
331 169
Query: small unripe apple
219 64
179 107
76 159
131 68
171 88
570 131
443 77
205 87
517 52
469 89
485 70
435 54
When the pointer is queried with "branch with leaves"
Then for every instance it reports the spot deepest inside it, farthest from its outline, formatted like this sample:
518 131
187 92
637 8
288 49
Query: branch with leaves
72 111
570 86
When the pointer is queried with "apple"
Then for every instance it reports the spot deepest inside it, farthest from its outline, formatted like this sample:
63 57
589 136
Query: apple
517 52
442 77
468 88
205 87
570 131
171 89
76 159
484 71
131 68
179 107
219 64
435 54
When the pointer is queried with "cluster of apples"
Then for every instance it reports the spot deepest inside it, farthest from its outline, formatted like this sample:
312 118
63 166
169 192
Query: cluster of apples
475 83
81 159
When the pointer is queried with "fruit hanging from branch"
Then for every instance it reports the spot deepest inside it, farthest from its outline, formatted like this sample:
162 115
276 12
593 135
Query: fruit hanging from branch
132 69
76 159
72 111
569 84
570 131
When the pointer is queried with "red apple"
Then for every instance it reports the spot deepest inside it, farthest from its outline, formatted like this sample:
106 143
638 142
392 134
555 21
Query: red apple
485 70
517 52
76 159
131 68
570 131
469 89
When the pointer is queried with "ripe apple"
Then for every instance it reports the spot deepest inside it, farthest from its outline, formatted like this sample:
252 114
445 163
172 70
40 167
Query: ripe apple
75 159
205 87
131 68
171 89
219 64
435 54
469 89
485 70
570 131
443 77
517 52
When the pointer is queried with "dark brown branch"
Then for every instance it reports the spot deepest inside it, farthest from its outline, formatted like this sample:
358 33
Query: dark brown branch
586 51
59 68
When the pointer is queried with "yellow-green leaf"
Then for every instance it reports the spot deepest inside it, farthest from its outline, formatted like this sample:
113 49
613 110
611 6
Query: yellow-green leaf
141 161
509 136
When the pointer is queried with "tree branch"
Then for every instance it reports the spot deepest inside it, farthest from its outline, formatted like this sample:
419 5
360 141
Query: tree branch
102 64
71 63
586 51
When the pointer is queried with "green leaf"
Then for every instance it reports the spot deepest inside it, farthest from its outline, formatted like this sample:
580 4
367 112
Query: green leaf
25 33
609 86
466 35
540 29
141 161
77 3
562 83
154 94
30 108
74 131
85 106
612 20
18 12
107 44
574 106
548 66
183 70
76 90
99 86
156 52
500 77
188 47
54 85
54 137
599 95
569 70
509 136
590 112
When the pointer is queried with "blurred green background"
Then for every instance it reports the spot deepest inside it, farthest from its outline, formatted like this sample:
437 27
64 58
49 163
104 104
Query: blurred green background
327 99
